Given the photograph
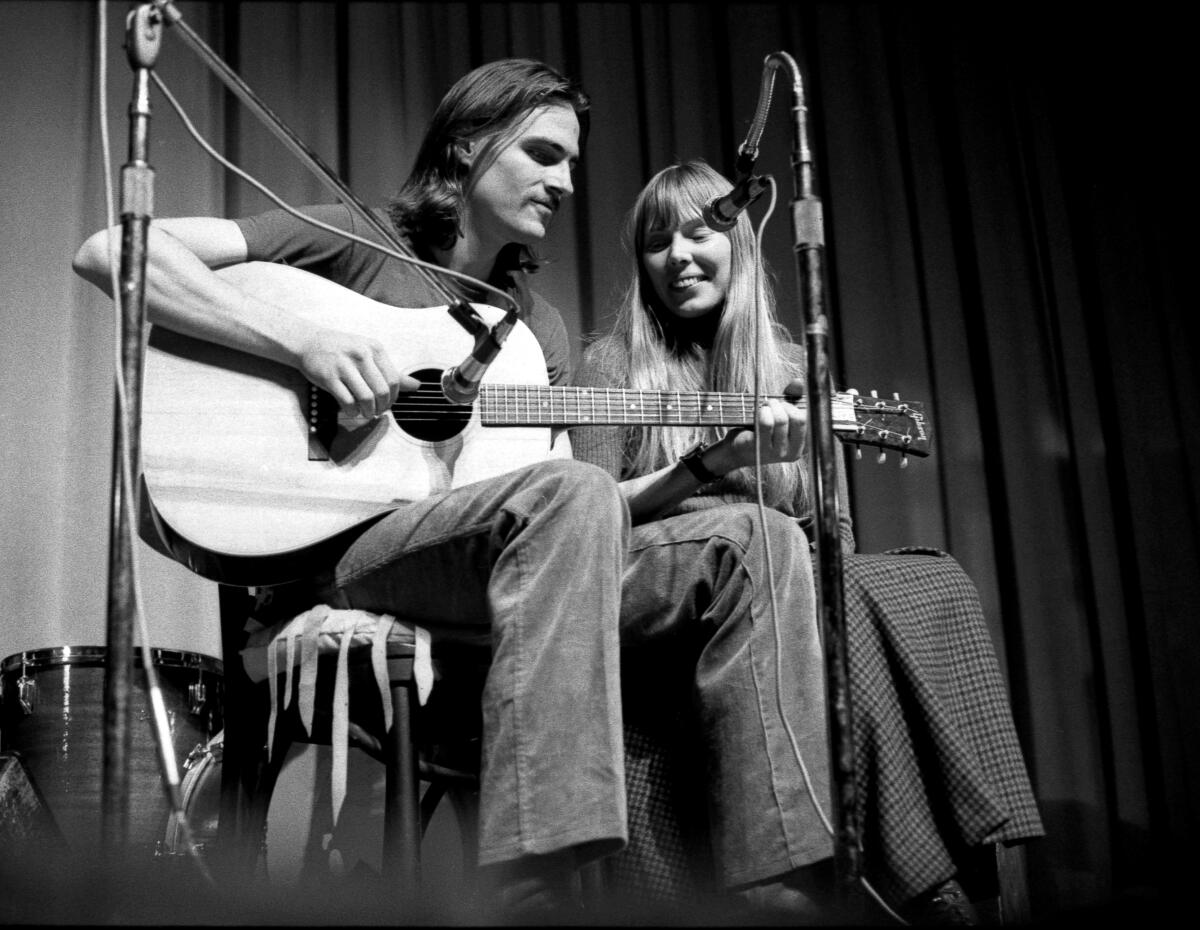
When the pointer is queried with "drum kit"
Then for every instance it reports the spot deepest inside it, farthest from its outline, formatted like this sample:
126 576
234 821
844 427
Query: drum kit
51 712
51 720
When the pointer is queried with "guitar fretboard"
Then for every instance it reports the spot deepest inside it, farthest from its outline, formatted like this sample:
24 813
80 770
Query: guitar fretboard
537 405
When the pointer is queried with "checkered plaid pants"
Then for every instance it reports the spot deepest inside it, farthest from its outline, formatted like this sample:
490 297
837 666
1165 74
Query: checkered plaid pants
939 771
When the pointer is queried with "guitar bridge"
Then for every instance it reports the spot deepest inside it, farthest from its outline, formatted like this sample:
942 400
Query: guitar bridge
321 417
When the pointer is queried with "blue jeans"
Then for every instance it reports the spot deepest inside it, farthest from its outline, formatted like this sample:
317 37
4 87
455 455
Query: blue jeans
530 563
699 581
541 564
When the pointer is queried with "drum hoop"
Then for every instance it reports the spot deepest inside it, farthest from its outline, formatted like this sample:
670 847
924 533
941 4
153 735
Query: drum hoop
97 655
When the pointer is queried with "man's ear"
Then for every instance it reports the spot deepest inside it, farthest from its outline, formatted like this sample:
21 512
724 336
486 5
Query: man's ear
465 152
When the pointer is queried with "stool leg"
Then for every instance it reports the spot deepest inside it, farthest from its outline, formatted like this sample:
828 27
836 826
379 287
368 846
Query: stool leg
465 802
237 836
402 817
1013 882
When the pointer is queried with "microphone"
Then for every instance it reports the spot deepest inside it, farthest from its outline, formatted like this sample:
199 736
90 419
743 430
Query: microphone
460 384
721 213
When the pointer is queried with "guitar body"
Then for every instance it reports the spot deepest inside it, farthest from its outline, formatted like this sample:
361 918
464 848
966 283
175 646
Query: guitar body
233 469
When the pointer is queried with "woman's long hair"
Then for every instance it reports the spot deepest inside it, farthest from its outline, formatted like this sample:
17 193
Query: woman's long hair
667 353
485 108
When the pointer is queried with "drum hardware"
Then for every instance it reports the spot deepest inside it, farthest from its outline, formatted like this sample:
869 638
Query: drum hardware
26 690
197 696
193 757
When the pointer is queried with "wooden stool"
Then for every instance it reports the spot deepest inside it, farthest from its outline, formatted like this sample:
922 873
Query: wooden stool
250 771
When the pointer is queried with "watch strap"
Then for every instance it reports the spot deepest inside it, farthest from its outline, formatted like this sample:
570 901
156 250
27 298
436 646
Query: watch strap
693 461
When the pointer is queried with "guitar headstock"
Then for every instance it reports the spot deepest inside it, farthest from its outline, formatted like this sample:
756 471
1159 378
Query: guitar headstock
886 424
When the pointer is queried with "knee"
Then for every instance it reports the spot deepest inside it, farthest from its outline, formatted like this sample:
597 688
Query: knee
747 528
581 481
583 494
769 550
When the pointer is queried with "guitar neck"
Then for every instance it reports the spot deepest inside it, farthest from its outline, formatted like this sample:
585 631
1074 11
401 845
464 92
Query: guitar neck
870 421
538 405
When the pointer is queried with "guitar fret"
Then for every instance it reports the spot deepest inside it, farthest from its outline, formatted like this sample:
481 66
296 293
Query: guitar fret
519 404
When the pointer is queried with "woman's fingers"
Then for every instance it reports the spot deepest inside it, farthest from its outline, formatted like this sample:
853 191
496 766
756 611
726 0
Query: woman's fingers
780 430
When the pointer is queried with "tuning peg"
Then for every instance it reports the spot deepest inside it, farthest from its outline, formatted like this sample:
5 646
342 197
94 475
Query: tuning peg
882 458
857 451
895 396
875 394
904 460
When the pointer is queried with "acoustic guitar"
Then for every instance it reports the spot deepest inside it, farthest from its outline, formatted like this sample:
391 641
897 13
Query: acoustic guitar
251 475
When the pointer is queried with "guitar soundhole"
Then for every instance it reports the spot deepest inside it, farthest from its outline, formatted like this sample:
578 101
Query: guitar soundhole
426 414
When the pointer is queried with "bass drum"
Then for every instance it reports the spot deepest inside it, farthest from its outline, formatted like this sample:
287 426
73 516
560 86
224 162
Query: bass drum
52 712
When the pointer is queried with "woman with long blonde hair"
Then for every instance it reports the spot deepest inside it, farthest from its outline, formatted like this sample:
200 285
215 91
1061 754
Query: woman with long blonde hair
940 772
690 321
697 315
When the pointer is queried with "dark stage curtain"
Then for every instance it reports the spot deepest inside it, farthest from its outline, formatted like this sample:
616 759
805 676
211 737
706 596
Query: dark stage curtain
1006 200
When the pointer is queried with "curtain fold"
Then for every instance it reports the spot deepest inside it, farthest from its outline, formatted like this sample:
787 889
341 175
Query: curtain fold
1006 197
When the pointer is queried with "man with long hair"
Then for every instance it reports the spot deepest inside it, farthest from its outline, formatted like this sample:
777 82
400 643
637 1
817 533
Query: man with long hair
497 561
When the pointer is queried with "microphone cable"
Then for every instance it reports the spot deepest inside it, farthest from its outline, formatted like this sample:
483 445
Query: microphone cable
761 507
345 234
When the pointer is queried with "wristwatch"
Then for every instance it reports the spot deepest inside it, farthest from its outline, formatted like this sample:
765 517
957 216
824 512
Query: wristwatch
694 463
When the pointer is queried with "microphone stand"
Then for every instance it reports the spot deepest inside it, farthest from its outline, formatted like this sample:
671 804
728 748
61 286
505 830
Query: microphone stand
809 238
142 39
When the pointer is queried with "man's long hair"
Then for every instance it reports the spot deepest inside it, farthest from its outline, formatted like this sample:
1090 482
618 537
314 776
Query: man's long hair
482 111
666 353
